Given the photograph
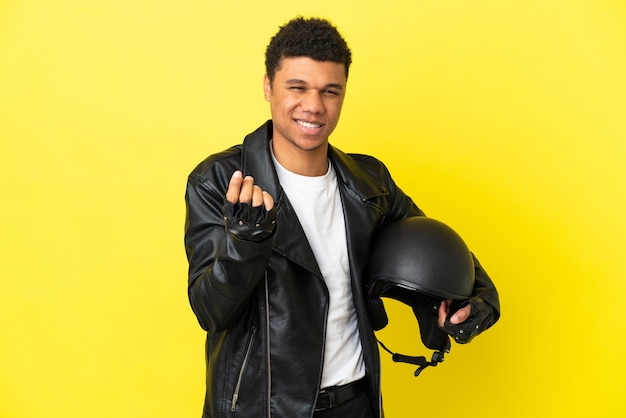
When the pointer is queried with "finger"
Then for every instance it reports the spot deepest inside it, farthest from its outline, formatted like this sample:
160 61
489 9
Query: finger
268 201
461 315
443 312
245 196
257 196
234 187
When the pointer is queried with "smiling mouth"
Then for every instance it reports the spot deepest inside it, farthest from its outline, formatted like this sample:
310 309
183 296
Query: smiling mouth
308 125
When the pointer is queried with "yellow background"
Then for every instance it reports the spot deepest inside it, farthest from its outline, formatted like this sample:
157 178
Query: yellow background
505 119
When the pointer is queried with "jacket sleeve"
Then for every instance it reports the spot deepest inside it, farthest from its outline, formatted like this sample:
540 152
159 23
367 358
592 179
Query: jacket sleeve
225 265
400 205
485 289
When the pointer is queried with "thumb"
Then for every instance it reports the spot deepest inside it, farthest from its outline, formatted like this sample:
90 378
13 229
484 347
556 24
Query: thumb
461 315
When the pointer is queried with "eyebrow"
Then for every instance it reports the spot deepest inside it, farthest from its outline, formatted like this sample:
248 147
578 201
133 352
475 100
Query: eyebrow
298 81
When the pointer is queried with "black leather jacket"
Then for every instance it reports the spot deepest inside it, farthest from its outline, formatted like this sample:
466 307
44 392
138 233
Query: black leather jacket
264 304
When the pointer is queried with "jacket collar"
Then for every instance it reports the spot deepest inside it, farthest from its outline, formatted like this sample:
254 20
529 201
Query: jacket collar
256 160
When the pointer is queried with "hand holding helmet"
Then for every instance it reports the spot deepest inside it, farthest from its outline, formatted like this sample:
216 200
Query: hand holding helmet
425 264
465 319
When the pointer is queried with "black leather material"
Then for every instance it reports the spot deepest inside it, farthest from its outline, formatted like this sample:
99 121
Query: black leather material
249 223
264 302
481 318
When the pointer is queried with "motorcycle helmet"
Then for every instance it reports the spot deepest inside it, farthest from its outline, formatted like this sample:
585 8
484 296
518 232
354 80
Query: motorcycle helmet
419 261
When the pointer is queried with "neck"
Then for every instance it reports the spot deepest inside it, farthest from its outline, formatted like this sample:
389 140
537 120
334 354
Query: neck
309 163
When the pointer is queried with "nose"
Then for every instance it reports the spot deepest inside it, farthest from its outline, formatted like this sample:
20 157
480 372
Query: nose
312 102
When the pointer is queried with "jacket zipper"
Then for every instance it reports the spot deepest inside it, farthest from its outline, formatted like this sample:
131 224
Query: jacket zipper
267 332
233 404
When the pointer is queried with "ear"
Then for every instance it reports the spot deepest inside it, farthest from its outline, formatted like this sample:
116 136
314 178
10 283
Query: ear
267 87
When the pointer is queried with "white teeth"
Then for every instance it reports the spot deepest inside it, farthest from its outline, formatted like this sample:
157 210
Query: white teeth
308 125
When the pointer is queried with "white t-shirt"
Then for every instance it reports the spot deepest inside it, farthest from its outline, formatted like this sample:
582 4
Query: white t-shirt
317 203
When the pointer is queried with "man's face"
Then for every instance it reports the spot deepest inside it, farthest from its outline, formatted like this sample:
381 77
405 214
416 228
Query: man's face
305 100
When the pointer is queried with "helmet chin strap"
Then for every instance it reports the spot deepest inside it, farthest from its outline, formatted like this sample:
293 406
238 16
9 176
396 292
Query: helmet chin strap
421 360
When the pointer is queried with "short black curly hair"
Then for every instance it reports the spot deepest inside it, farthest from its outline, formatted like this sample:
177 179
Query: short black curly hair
315 38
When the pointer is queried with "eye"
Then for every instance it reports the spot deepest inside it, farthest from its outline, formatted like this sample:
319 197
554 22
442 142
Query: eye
330 92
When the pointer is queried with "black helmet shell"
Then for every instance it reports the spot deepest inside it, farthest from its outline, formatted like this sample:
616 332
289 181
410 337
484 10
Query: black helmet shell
421 254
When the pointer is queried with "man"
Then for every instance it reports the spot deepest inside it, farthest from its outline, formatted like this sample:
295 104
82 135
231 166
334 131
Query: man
278 235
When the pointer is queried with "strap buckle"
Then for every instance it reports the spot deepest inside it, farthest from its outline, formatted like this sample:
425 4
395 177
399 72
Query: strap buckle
327 398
